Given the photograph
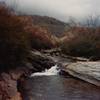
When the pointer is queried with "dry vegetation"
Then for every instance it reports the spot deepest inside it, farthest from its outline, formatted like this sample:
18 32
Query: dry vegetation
17 36
41 38
85 42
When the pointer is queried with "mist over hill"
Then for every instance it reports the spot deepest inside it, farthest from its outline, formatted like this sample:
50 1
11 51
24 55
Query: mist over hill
53 25
60 9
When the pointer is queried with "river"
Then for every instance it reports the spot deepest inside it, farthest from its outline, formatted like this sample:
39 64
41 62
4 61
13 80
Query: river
49 85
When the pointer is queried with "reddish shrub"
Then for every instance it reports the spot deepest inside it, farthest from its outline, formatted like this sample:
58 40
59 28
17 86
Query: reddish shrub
86 42
41 39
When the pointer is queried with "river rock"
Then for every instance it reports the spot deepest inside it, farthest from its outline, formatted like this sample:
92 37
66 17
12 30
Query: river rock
9 83
87 71
8 88
39 61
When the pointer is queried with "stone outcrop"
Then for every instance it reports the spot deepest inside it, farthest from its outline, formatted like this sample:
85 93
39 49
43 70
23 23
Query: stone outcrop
39 61
87 71
8 85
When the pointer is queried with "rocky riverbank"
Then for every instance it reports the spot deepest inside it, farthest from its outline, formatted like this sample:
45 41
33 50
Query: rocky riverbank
11 81
87 71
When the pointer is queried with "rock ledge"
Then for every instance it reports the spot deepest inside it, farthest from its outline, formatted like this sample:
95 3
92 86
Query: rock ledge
87 71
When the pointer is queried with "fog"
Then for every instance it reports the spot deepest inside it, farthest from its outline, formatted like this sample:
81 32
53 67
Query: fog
60 9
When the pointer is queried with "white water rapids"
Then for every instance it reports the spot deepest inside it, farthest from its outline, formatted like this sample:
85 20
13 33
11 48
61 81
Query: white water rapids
48 72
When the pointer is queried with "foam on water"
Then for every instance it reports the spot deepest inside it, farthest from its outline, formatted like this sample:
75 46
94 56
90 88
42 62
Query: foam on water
52 71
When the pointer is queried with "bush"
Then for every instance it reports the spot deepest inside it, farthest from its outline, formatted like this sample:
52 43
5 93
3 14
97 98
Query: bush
85 43
14 42
41 38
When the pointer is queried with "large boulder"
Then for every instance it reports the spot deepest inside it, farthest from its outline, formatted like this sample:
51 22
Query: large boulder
10 82
87 71
8 86
39 61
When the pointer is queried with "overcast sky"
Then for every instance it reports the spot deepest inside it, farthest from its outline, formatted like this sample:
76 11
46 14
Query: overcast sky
60 9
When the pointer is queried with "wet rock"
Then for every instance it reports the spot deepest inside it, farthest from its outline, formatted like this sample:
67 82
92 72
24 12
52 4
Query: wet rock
8 87
9 83
39 61
87 71
17 97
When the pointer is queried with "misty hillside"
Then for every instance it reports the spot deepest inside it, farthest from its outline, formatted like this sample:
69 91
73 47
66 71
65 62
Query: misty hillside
46 20
53 25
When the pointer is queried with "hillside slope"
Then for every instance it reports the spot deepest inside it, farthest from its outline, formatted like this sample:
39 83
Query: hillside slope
53 25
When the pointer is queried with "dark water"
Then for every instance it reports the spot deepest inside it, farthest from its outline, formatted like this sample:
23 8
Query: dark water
59 88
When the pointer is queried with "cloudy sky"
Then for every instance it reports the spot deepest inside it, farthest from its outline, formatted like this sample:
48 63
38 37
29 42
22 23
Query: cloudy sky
61 9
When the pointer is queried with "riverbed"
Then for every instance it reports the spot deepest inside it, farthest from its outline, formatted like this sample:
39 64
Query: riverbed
57 87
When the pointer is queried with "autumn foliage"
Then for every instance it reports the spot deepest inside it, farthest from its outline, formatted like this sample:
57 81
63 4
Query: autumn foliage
85 42
42 39
39 36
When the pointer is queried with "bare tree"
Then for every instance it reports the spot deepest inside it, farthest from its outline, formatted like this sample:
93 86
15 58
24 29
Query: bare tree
93 21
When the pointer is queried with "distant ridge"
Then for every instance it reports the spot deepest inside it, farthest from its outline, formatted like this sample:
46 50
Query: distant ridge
53 25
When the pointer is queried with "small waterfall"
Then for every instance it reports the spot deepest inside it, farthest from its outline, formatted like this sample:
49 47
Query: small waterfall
48 72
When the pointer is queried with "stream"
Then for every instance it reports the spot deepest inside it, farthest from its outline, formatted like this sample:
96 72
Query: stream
49 85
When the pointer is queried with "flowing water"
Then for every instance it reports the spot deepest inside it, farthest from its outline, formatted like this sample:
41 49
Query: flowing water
48 72
48 85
